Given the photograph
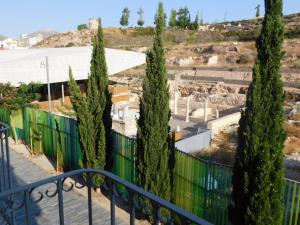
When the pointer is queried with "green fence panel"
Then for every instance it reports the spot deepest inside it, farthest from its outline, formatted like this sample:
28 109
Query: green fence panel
292 203
124 150
55 136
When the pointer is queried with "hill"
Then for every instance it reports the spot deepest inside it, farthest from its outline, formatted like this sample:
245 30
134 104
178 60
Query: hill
232 43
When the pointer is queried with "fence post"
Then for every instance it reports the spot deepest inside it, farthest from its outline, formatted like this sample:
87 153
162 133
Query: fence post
206 189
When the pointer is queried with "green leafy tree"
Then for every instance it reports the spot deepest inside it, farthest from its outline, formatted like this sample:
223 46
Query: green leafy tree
141 21
183 18
82 27
98 105
257 8
258 176
153 129
172 21
19 97
124 21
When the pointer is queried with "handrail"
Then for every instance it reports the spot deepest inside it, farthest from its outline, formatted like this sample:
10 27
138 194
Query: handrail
133 190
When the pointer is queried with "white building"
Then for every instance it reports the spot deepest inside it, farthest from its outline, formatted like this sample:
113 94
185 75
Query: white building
8 43
93 24
28 65
29 41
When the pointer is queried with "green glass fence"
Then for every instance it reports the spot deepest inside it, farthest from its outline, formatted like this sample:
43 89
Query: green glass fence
201 187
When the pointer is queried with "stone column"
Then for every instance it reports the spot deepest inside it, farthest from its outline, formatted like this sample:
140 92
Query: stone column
116 111
175 103
125 112
205 110
187 112
217 113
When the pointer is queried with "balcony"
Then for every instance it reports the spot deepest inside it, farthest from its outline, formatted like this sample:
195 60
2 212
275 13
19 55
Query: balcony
69 198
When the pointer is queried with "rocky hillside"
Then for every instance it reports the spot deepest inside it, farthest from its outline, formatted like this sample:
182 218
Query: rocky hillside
224 44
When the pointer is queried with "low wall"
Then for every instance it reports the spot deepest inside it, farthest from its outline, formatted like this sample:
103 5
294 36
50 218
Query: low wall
194 143
219 124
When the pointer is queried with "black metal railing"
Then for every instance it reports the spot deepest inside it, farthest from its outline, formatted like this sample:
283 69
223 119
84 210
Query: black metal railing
135 197
5 173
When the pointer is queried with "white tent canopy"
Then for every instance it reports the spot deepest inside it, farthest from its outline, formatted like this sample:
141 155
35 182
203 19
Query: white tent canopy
28 65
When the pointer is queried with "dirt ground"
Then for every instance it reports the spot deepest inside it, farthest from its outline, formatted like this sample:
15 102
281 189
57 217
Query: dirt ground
223 148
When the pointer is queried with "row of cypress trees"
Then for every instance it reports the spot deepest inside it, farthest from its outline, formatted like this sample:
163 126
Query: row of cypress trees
258 171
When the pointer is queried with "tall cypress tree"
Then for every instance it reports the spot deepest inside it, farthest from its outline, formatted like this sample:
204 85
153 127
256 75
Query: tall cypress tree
153 129
99 100
84 121
258 175
93 110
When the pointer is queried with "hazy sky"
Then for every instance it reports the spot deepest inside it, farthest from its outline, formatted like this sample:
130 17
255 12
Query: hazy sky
25 16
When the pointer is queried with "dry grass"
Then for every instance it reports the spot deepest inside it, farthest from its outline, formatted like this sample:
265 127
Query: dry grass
292 145
292 130
295 116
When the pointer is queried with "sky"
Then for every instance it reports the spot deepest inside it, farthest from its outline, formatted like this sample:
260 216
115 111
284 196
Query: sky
26 16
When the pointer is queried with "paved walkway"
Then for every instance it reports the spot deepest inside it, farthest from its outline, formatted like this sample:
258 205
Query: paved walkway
45 212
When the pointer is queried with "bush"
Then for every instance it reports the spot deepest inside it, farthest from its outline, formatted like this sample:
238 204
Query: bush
82 27
70 44
16 98
243 59
143 31
296 65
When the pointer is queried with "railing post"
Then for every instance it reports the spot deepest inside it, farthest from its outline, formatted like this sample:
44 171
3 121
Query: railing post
112 203
132 207
8 158
60 202
156 216
2 180
89 182
27 207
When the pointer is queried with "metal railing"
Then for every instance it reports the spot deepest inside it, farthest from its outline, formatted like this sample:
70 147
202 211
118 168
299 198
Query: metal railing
5 173
134 196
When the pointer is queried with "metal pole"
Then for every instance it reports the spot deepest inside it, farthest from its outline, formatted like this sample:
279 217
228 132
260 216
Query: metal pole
48 85
50 110
62 94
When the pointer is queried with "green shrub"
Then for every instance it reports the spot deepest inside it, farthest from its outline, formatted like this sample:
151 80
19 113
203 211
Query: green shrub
82 27
243 59
70 44
143 31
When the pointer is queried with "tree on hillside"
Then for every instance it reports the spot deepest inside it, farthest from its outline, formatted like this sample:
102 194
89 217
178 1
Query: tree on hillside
201 18
183 18
141 21
124 21
172 20
82 27
258 176
195 25
257 14
93 110
153 129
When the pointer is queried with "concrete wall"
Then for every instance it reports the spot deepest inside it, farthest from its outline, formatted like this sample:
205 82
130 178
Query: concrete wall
219 124
194 143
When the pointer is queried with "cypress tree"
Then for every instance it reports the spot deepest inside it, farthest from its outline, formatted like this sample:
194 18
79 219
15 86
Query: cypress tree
84 122
258 175
172 20
153 129
99 100
93 110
